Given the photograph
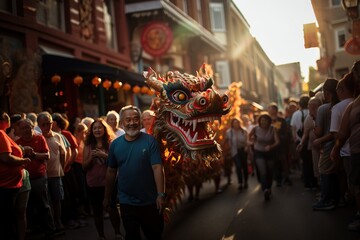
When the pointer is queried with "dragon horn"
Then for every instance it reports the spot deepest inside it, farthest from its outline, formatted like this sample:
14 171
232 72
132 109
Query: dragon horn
151 80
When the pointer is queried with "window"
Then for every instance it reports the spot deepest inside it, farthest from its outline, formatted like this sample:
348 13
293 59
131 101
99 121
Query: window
185 6
340 38
109 23
222 68
51 13
335 3
217 17
8 6
199 11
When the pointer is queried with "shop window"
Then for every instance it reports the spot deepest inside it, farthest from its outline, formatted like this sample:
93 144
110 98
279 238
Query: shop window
8 6
51 13
340 39
335 3
109 21
222 68
217 17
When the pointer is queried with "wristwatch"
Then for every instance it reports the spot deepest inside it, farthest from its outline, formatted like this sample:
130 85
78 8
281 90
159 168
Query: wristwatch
161 194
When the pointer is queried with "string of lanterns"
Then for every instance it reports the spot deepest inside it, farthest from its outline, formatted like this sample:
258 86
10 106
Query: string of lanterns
96 81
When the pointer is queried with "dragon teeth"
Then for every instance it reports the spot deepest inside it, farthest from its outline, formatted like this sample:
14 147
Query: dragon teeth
195 138
194 124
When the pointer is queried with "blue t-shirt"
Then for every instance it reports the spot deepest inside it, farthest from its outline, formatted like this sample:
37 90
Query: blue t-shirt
134 160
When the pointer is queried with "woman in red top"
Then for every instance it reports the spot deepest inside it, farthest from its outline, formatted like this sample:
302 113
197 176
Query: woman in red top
11 166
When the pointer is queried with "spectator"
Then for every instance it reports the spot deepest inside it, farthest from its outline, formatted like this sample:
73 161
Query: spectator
141 186
345 92
11 175
55 167
38 151
350 130
112 118
265 139
148 118
237 138
325 142
95 155
281 167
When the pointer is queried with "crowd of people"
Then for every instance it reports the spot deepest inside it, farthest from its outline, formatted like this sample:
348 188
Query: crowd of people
53 174
51 178
318 134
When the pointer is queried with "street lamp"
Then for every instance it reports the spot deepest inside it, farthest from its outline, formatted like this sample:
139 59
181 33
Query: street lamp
351 7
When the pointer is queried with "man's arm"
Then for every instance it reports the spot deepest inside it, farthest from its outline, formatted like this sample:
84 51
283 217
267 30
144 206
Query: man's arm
109 185
159 177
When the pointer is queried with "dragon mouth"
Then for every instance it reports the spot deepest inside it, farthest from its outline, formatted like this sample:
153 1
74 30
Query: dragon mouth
196 131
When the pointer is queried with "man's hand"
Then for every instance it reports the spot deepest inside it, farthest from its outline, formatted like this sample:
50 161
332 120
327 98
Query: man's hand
160 203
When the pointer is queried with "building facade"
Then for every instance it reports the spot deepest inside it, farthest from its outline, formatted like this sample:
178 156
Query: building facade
334 31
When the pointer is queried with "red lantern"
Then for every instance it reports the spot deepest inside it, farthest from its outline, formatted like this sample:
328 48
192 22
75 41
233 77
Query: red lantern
78 80
107 84
117 84
144 90
151 92
55 79
96 81
136 89
127 87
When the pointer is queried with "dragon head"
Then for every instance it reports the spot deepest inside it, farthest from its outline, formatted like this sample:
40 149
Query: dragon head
185 108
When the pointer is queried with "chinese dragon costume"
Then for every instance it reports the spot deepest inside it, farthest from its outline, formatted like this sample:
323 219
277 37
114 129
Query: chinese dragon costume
185 107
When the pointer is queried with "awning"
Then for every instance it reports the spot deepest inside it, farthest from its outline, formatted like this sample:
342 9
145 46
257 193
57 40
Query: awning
178 16
53 64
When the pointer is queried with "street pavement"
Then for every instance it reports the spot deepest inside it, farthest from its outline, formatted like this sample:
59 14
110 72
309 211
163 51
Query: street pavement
234 215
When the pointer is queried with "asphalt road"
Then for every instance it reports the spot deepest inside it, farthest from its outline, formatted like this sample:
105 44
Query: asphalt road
245 215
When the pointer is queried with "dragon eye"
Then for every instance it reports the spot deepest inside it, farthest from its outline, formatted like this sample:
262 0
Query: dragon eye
202 101
180 96
225 99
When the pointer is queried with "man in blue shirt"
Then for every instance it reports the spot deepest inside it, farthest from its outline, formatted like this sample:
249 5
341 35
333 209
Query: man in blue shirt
135 159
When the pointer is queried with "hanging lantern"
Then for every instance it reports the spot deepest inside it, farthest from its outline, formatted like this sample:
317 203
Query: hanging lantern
55 79
144 90
151 92
107 84
78 80
126 87
136 89
117 84
96 81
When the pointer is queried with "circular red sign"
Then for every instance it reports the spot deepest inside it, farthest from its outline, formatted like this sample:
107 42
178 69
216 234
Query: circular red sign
352 47
156 38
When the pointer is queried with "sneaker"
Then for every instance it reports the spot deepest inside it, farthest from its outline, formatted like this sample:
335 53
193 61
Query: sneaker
323 206
355 225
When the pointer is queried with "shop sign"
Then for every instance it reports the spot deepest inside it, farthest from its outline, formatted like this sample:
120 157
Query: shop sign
156 38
